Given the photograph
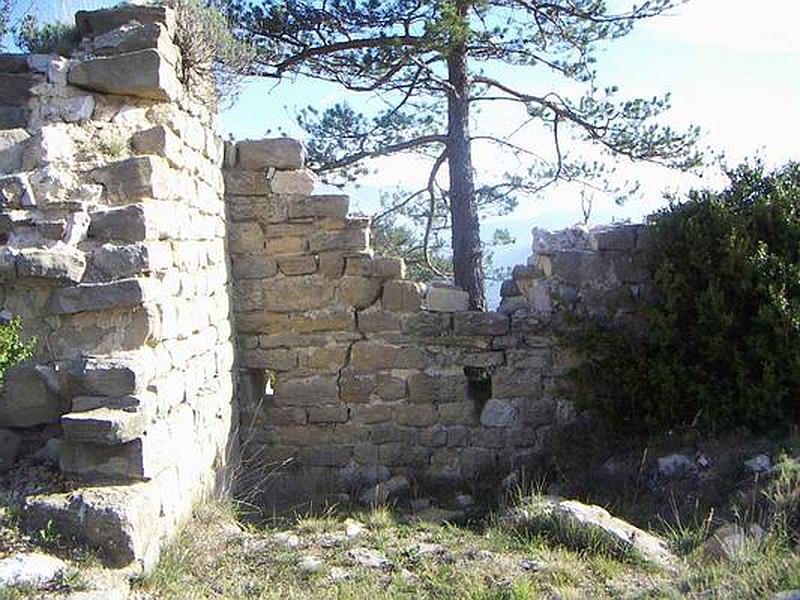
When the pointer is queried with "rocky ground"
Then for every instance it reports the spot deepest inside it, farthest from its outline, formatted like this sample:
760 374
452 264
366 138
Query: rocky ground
403 546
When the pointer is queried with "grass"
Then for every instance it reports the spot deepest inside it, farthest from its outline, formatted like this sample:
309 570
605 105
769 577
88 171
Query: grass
214 557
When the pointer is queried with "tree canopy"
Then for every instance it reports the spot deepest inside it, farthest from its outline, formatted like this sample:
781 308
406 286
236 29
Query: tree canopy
430 63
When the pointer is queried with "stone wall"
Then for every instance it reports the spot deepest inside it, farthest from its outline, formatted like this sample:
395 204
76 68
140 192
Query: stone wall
114 255
377 377
118 252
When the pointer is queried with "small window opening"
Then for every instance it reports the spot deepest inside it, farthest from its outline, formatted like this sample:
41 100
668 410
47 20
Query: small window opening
479 384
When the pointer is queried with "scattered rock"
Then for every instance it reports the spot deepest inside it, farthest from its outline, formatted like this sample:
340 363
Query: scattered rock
576 516
532 566
309 564
434 514
339 574
353 529
760 463
333 540
369 559
10 444
31 570
381 492
287 539
676 465
729 540
409 578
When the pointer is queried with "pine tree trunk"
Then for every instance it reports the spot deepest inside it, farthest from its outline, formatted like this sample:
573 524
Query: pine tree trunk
467 248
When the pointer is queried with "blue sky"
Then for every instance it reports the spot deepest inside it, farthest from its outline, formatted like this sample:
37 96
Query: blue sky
731 67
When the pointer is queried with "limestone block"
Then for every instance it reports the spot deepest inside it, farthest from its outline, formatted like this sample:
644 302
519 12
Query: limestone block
245 183
160 141
301 181
30 396
97 296
130 38
16 192
135 178
310 391
352 240
278 153
331 264
13 144
8 261
102 426
356 387
509 288
499 413
329 358
285 245
617 238
144 73
427 324
275 359
114 331
17 88
301 207
480 323
12 117
104 377
375 321
101 461
63 264
331 456
509 382
402 296
10 444
72 109
370 414
384 268
334 413
359 292
111 262
429 388
277 323
245 237
126 224
297 264
575 267
445 298
253 266
390 388
416 415
297 294
14 63
98 22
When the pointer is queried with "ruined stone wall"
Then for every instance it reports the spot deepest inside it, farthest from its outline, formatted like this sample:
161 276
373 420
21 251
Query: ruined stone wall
376 376
113 231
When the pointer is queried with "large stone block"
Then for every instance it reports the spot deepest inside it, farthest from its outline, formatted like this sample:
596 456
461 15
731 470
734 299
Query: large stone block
127 224
384 268
245 238
278 153
103 426
359 292
249 184
30 397
62 264
499 413
144 73
16 192
10 444
430 388
301 207
309 391
97 296
301 181
159 141
131 39
13 144
98 22
402 296
17 88
480 323
101 461
253 266
134 179
445 298
348 240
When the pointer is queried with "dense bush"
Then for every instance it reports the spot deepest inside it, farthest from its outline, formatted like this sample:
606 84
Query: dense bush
721 345
47 38
12 347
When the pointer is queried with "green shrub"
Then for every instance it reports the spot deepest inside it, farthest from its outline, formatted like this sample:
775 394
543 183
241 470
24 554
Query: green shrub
47 38
12 347
720 347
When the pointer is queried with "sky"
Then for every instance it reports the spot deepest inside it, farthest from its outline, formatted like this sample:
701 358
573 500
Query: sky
731 67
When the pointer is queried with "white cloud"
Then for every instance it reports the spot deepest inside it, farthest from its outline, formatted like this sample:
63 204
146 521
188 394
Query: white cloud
768 26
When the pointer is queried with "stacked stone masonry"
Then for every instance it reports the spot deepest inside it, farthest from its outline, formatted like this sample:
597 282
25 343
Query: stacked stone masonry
114 255
374 375
169 280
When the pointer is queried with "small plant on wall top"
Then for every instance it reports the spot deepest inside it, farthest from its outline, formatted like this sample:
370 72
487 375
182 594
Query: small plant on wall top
720 346
13 348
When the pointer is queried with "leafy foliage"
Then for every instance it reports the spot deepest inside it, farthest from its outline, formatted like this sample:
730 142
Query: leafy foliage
13 348
47 38
210 54
720 347
426 65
